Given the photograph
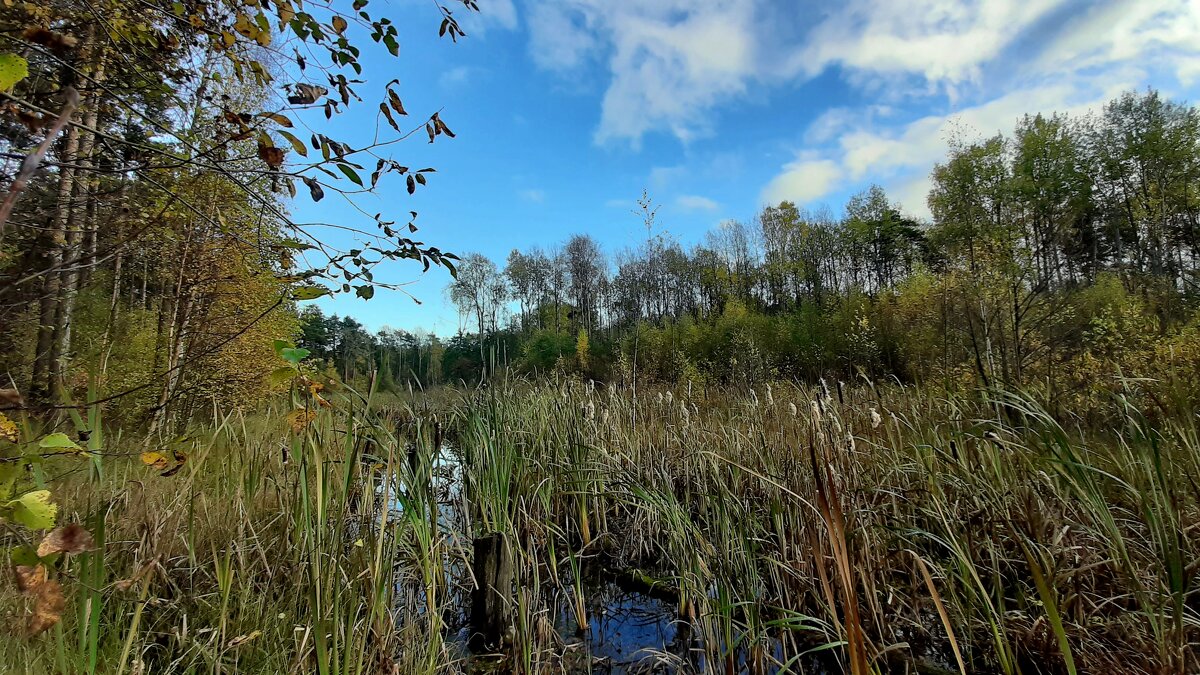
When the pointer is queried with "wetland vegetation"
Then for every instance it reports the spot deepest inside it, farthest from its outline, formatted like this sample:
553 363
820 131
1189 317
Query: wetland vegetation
863 441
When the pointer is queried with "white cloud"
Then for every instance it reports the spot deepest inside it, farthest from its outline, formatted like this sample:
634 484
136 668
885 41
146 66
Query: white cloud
1127 30
696 203
803 180
945 42
532 195
669 65
669 61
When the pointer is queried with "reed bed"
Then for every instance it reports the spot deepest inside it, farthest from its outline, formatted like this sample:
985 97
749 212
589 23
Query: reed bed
859 529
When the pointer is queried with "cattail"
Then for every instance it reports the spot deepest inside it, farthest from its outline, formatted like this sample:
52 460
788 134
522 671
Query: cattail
876 420
770 396
753 398
604 417
816 411
669 397
660 398
683 412
589 410
850 442
792 409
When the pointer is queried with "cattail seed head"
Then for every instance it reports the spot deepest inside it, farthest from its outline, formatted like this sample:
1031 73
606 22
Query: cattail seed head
792 409
876 420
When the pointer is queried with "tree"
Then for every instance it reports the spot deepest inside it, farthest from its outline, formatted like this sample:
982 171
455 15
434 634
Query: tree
479 291
159 134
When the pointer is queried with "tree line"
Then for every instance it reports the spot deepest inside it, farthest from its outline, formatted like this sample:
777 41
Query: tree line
1057 254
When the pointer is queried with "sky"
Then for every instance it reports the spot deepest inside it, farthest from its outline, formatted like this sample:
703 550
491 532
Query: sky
565 110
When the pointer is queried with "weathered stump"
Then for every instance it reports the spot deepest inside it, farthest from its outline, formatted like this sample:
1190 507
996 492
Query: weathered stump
491 599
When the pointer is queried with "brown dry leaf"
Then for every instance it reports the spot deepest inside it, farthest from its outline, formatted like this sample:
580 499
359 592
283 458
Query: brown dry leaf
71 538
56 42
11 397
271 155
48 607
299 419
48 600
30 578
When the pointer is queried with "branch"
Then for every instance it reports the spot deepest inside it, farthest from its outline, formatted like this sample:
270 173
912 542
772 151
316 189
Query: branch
34 160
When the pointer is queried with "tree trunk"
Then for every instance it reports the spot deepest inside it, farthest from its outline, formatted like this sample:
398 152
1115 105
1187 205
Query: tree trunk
44 369
60 351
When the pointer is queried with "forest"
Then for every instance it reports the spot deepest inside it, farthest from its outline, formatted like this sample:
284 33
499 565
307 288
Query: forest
819 440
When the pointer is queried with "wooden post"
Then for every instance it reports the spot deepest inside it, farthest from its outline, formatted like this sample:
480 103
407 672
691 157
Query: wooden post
490 601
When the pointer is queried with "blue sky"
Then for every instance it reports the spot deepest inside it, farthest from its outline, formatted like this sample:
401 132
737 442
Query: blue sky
564 110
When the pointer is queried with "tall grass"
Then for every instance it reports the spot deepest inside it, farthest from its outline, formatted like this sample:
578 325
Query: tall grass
871 529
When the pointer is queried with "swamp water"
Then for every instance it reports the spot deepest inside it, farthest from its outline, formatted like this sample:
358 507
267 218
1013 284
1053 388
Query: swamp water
632 628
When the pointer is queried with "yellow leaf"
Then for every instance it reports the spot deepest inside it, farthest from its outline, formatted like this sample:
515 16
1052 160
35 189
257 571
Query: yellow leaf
8 429
154 459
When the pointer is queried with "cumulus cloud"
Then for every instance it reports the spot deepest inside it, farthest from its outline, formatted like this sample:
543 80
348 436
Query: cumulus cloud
942 41
670 65
696 203
669 62
803 180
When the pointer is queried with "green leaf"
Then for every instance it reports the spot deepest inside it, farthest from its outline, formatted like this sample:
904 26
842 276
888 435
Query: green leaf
9 472
351 174
34 510
24 555
282 375
13 69
309 292
366 292
58 441
297 144
294 355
